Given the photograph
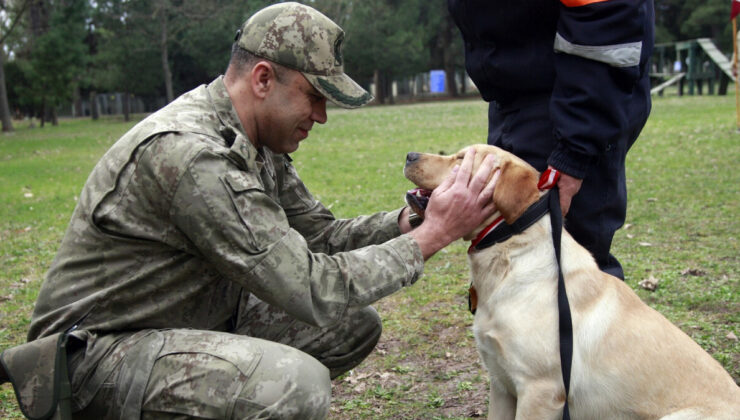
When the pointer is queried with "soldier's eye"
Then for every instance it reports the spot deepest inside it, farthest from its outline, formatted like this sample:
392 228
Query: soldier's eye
316 98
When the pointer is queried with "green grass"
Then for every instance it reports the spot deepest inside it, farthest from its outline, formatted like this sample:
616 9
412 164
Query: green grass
682 216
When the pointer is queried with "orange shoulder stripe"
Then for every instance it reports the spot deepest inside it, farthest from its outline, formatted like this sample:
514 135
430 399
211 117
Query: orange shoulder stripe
576 3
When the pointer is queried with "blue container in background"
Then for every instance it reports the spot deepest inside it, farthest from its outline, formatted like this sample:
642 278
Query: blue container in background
437 81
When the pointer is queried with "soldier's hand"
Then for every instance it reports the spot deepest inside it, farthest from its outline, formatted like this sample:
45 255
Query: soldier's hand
458 205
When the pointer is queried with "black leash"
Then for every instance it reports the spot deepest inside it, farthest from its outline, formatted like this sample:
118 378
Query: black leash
565 322
549 202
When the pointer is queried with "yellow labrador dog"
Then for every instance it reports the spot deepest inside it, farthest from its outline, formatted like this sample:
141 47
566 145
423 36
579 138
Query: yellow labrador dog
629 362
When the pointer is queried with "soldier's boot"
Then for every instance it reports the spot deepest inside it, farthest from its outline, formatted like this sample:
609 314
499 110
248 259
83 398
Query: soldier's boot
38 372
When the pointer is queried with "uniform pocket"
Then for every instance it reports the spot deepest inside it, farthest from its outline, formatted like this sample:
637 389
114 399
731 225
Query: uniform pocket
201 373
262 217
240 182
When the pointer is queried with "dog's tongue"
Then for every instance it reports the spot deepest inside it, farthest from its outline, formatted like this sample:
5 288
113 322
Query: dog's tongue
418 199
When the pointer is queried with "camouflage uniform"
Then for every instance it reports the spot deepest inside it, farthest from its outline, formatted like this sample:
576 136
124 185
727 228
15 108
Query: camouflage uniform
205 280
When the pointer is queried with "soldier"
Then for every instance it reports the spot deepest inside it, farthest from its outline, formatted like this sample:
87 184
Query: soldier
200 278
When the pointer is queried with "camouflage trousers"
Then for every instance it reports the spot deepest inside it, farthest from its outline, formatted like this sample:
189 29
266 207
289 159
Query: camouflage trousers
270 367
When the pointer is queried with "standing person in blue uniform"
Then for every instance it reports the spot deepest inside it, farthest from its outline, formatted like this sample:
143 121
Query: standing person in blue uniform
568 88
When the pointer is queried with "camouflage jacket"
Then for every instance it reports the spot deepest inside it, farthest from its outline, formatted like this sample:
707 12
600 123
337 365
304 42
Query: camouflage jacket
183 213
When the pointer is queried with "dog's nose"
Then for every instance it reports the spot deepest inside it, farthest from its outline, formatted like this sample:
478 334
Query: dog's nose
412 157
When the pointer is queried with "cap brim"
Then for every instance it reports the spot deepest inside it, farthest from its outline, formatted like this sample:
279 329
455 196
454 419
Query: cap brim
341 90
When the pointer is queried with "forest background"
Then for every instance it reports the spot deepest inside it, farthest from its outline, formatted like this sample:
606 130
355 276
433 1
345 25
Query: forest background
56 53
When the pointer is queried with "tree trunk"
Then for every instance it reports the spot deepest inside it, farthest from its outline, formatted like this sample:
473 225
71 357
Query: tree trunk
77 99
38 25
383 85
379 86
388 87
165 59
4 107
94 111
450 82
42 115
127 107
448 64
39 17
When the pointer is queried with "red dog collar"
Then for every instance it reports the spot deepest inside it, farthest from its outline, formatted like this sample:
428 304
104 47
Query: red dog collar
548 179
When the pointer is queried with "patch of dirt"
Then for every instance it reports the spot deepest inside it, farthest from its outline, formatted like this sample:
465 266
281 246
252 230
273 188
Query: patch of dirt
439 375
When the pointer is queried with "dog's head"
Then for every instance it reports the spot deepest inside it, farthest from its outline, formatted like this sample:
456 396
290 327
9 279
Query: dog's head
515 191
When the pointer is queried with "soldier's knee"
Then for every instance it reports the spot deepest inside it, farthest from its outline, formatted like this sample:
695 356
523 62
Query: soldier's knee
373 320
287 384
357 337
312 390
372 329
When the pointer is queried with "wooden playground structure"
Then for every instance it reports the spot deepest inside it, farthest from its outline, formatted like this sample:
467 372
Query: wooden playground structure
690 64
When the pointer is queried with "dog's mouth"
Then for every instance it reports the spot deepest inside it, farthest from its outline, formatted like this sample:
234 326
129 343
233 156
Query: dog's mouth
417 199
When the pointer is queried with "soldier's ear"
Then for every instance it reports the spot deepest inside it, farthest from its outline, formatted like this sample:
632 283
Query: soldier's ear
262 79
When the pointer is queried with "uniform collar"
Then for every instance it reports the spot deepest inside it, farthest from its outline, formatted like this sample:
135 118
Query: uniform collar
219 97
230 127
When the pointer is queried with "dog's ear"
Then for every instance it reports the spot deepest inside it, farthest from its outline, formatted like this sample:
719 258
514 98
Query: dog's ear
516 190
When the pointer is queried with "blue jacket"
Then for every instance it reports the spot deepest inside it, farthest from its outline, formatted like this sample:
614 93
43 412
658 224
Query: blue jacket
591 57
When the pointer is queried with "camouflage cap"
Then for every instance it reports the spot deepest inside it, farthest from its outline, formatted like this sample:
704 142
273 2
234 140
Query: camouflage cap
300 37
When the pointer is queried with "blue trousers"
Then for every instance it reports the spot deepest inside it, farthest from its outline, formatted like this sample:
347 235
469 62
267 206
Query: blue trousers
600 207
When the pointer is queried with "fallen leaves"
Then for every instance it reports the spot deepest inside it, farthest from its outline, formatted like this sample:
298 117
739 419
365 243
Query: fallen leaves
359 382
476 412
693 272
650 283
24 230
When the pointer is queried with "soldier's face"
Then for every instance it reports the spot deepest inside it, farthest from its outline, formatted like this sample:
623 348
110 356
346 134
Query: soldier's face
292 107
